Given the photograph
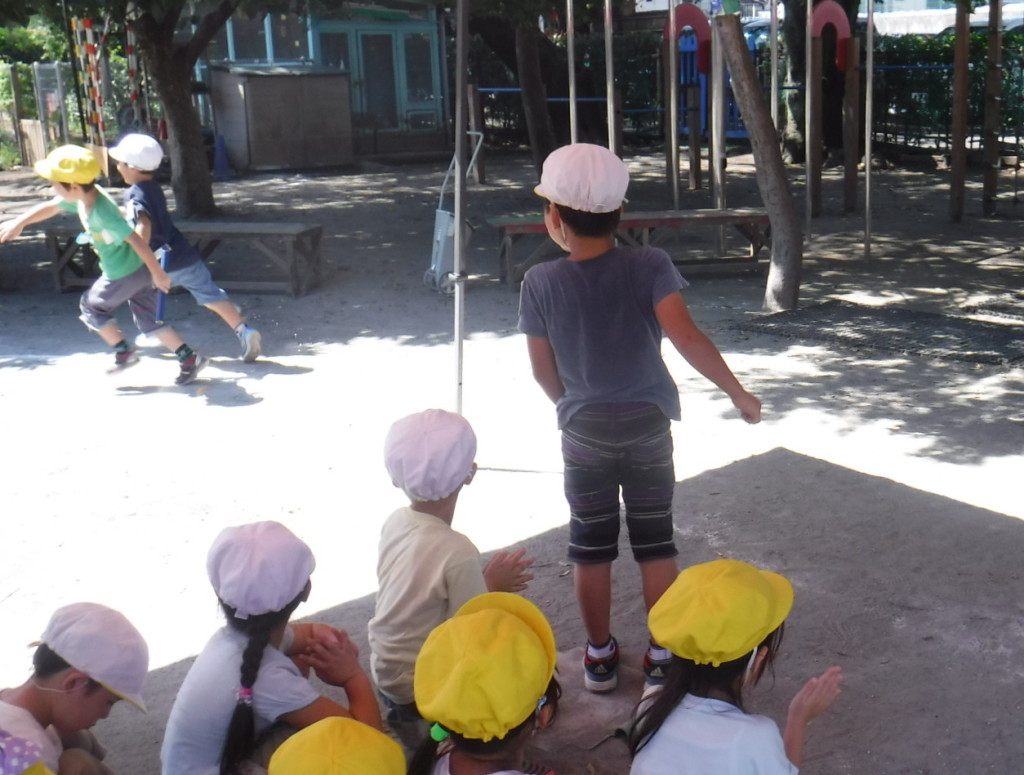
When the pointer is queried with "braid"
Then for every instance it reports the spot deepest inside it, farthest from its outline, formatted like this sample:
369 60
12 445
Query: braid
240 739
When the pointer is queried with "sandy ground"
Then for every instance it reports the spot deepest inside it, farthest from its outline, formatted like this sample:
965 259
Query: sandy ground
887 487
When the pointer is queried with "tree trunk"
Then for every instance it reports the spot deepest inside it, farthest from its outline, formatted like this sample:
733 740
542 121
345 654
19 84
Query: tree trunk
170 62
190 171
535 107
783 286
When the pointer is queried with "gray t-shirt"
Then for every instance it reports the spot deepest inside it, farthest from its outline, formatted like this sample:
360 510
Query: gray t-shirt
599 316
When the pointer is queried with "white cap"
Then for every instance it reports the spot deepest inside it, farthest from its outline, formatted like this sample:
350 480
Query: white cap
584 177
429 454
258 568
140 151
104 645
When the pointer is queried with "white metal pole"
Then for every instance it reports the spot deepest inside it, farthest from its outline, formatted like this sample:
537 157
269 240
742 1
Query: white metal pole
868 124
609 75
718 129
673 101
774 44
461 68
570 52
808 56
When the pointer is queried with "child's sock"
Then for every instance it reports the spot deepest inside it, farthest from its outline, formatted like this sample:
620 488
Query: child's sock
184 353
658 654
122 346
600 652
240 328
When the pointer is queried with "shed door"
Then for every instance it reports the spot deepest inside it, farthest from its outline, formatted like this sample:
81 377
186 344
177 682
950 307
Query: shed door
378 91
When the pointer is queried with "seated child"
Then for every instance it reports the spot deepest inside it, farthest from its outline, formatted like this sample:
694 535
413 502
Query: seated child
723 623
138 158
485 678
426 570
89 658
248 690
338 746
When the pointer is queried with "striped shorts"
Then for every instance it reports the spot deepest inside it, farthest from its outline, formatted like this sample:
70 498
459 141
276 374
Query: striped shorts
613 447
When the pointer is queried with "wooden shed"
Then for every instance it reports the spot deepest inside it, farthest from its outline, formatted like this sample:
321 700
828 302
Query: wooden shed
277 117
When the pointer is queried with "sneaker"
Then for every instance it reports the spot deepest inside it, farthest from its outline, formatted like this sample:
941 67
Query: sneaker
601 675
655 670
124 360
190 368
250 339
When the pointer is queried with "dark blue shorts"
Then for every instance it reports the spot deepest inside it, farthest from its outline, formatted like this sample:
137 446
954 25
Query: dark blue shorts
608 447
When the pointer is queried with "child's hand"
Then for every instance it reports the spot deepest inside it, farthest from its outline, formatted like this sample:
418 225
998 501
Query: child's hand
749 406
335 658
162 280
9 230
816 695
506 572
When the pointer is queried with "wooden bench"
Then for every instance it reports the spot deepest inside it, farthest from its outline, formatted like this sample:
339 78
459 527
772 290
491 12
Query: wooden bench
293 248
636 229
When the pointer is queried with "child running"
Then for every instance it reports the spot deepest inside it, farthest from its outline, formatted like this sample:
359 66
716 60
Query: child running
138 157
338 746
486 679
426 570
89 658
247 691
129 268
594 322
723 623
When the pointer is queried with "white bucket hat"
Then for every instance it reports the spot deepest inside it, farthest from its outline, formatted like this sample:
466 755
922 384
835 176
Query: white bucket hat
429 454
584 177
140 151
104 645
258 568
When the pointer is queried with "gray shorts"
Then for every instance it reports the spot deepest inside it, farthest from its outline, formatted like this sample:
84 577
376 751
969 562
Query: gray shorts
195 278
106 295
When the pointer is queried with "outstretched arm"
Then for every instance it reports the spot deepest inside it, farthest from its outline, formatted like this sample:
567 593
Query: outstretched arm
10 230
809 703
545 370
701 353
161 279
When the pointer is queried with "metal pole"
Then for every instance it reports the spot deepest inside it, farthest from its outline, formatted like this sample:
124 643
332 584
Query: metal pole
570 50
808 70
868 124
673 100
774 44
609 75
718 129
462 78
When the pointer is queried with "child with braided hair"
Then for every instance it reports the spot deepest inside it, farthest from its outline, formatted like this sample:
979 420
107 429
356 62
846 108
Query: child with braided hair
248 689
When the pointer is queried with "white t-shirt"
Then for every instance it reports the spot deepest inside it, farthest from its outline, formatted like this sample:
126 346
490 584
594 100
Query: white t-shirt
703 735
199 719
425 572
441 768
18 722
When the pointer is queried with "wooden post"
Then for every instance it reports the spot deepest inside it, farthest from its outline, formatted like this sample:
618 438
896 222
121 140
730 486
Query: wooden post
693 127
476 124
958 152
851 126
991 143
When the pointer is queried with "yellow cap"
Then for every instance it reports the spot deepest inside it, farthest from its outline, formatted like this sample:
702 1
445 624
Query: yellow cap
481 673
338 746
69 164
719 611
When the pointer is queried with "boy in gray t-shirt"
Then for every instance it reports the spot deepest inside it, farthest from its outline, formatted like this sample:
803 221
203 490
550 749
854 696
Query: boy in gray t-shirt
594 321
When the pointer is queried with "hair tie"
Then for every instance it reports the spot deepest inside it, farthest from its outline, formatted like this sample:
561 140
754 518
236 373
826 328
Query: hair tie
244 696
438 733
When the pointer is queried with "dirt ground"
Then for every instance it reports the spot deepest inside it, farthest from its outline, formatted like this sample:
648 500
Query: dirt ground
887 487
